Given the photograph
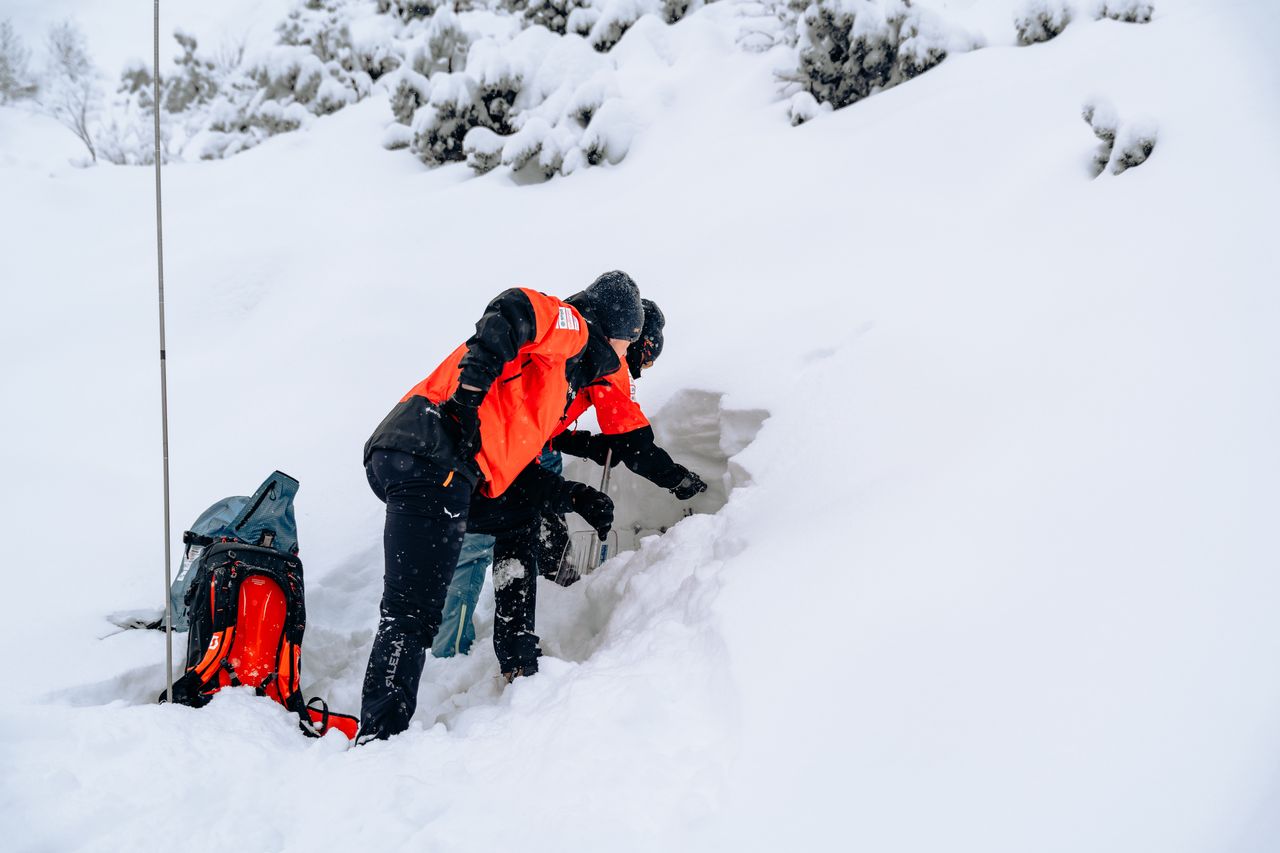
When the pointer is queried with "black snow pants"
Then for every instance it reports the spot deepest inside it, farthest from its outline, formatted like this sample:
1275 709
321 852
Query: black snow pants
514 520
426 519
515 588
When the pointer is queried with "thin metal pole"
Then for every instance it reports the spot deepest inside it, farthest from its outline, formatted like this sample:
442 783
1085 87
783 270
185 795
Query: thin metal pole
164 373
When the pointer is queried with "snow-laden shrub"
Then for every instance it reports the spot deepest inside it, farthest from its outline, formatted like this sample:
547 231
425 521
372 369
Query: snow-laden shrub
849 49
377 60
408 10
616 17
411 92
499 82
540 105
274 95
315 70
447 42
674 10
766 24
126 135
319 25
582 20
1103 121
923 42
453 104
1134 142
1128 11
16 79
441 124
483 149
552 14
194 81
608 138
1040 20
1124 144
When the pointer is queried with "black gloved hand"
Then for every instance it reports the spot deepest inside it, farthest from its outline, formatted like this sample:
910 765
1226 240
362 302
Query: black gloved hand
575 442
594 506
461 416
586 445
690 484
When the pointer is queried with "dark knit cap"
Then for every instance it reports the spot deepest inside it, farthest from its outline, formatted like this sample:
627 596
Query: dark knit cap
612 304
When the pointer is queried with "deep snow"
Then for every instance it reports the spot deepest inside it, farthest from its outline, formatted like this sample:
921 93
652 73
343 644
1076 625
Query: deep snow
997 573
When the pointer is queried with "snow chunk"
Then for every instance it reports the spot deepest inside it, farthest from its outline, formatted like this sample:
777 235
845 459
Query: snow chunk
804 107
397 136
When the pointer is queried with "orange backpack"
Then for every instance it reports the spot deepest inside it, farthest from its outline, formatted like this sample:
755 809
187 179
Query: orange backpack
247 614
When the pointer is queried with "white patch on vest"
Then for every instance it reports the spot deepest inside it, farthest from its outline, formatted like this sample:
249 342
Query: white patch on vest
567 320
507 571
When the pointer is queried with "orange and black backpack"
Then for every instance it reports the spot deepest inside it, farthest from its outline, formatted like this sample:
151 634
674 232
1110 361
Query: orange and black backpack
245 611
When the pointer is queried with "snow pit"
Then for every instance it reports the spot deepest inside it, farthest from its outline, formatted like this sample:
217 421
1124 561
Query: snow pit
700 433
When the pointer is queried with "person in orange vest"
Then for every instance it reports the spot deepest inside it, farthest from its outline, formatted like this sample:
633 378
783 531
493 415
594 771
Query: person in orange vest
458 448
625 430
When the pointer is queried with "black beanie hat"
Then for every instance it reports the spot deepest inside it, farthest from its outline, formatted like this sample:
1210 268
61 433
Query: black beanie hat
647 349
612 304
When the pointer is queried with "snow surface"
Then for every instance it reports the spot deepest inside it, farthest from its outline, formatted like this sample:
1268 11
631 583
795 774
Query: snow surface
990 562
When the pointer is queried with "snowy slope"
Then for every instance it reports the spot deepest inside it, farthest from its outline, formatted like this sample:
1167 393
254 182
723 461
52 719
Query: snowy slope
996 573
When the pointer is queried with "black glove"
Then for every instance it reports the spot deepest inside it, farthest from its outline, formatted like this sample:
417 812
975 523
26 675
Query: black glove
586 445
461 416
690 484
594 506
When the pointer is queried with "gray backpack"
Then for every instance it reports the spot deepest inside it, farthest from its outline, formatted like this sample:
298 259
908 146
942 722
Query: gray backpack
264 518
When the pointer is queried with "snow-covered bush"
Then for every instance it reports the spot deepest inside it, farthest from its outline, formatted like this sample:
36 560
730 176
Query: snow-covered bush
16 81
498 85
483 149
1124 144
539 104
126 136
1134 144
411 92
446 44
193 82
674 10
1040 20
453 104
615 18
314 70
441 124
552 14
766 24
923 42
582 20
1129 11
408 10
849 49
1102 119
